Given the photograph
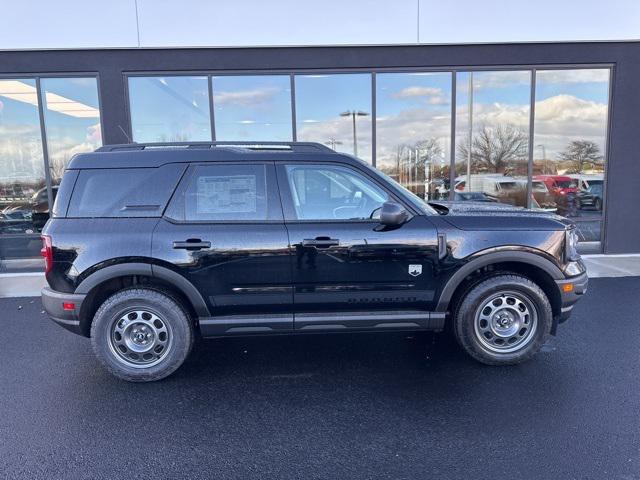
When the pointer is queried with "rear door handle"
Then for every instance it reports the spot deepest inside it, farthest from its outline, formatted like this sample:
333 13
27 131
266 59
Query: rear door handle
191 244
320 242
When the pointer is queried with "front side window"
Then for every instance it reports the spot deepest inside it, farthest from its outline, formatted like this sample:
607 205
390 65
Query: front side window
222 193
329 192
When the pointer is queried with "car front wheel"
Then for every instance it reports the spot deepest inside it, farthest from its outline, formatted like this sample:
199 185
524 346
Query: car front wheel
141 335
503 320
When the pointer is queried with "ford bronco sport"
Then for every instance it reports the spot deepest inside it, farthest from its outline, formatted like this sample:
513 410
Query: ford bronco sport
150 246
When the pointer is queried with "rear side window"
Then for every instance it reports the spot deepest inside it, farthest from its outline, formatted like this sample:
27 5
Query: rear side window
124 192
223 192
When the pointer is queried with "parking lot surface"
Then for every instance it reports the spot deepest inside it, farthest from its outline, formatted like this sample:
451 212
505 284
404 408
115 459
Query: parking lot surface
332 407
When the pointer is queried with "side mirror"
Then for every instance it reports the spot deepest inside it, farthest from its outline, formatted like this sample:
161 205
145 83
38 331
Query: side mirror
393 215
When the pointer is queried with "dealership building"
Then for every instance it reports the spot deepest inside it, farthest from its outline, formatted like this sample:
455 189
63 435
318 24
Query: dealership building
544 125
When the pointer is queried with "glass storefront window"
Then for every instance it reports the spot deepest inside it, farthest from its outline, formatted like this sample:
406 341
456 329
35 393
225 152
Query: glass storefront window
492 137
570 143
335 110
413 130
251 108
72 120
22 178
169 109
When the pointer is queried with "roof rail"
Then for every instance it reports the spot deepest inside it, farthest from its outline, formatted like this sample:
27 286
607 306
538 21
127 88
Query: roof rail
307 147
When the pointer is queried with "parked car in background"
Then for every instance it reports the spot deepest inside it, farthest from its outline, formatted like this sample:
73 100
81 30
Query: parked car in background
591 197
564 190
473 197
543 196
559 184
587 180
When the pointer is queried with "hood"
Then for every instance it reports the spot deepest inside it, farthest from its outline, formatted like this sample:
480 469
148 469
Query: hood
497 216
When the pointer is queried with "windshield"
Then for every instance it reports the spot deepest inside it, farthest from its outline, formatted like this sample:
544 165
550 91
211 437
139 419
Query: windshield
567 183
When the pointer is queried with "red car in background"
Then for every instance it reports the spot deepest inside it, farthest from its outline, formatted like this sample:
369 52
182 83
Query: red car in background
559 184
564 191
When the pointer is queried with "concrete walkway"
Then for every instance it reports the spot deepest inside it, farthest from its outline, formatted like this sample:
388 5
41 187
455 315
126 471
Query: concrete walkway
598 266
612 265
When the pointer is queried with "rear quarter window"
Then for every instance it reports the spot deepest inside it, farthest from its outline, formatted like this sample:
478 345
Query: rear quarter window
124 192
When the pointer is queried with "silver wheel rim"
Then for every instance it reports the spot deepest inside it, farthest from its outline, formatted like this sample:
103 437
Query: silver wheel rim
506 322
140 338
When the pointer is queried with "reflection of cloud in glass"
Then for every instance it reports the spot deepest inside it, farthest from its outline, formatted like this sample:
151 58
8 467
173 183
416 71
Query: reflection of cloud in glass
564 117
245 97
431 95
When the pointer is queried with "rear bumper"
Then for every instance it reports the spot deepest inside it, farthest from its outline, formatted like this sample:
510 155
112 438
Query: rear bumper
53 304
569 299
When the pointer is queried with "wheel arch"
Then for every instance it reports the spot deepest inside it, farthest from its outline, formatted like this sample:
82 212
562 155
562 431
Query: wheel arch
103 283
533 266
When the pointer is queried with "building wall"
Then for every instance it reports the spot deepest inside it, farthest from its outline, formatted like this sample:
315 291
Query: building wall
622 229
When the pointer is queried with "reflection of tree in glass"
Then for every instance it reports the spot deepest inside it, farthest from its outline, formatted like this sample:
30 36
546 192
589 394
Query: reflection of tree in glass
495 149
417 163
580 154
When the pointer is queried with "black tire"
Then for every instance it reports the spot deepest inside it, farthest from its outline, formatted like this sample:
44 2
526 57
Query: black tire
127 304
469 320
597 204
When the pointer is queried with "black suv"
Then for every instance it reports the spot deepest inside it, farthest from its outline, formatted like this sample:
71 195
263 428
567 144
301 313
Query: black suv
151 245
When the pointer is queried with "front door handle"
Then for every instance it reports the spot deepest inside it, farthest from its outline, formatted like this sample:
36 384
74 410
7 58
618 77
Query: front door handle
320 242
191 244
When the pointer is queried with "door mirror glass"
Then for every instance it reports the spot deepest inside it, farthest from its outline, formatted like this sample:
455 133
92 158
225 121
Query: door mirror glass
393 214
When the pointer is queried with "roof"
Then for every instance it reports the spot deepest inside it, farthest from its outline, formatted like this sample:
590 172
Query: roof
154 155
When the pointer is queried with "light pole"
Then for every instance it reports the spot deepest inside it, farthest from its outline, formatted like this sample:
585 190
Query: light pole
332 143
353 114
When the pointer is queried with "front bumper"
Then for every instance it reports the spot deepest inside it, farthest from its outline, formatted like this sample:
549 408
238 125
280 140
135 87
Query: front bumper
569 299
53 303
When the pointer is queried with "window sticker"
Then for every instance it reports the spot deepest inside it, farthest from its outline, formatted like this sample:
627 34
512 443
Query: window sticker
226 194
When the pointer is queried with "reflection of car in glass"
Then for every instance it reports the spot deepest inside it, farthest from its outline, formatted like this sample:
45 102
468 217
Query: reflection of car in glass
144 254
543 196
473 197
490 183
591 197
586 180
564 190
33 213
559 184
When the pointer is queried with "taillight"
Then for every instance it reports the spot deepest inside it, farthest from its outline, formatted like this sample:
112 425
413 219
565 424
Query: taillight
47 253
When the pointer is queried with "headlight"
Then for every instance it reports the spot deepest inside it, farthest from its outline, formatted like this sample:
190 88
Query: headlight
571 245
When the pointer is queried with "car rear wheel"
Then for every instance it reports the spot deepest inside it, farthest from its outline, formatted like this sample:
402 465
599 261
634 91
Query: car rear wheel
503 320
597 204
141 335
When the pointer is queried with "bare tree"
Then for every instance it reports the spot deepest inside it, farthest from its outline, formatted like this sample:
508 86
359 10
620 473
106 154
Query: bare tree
495 149
581 153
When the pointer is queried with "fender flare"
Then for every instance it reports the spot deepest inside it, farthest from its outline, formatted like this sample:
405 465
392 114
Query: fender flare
487 259
147 269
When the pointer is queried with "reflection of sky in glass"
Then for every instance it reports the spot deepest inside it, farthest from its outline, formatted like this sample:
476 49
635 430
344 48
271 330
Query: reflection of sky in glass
499 98
72 119
319 101
570 105
252 107
411 108
21 158
169 109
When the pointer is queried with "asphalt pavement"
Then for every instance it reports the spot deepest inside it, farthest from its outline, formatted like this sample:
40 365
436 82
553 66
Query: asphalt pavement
329 407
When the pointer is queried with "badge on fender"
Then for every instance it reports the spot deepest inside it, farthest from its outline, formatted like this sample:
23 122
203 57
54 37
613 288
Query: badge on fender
415 270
